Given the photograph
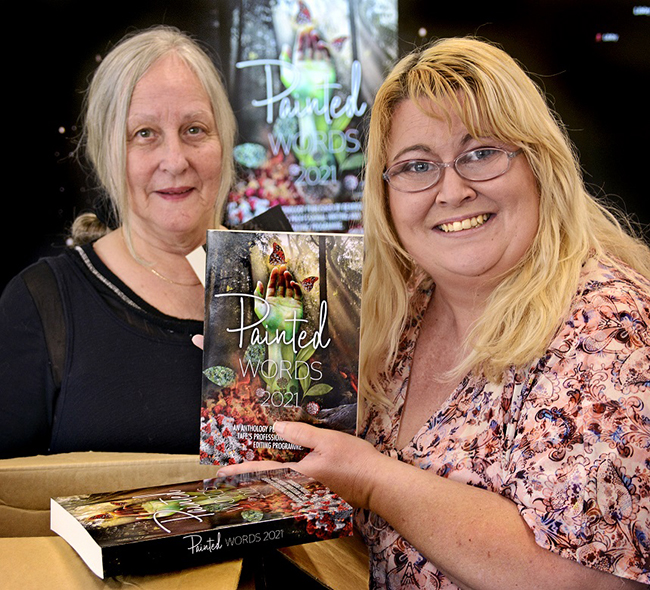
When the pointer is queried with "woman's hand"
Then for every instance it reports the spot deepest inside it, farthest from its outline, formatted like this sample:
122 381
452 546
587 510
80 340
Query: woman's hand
344 463
474 535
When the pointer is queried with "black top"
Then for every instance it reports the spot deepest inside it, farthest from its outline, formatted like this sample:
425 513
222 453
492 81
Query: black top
130 377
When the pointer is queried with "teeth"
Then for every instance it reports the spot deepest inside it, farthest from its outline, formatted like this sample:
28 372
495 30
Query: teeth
468 223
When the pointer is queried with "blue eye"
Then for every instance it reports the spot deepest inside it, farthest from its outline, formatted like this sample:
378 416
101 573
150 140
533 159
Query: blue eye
480 155
420 166
416 167
411 175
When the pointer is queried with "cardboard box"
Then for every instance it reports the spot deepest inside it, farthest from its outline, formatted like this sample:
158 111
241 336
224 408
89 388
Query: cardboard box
31 556
28 483
49 562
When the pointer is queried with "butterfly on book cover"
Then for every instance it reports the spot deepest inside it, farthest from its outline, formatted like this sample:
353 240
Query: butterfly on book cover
278 257
304 15
308 283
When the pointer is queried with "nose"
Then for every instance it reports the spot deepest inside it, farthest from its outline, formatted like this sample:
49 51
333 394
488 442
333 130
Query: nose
174 155
452 189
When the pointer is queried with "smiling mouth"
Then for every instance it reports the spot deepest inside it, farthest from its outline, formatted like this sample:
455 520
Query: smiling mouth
175 192
468 223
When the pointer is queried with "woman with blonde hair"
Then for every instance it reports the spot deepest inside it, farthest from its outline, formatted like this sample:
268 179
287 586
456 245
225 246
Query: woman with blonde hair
96 342
505 346
526 307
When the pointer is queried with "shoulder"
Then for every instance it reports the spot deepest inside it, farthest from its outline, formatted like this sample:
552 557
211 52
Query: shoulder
33 299
38 277
579 436
605 281
603 344
612 303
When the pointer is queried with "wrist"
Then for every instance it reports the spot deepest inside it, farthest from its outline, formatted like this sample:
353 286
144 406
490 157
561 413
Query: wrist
379 479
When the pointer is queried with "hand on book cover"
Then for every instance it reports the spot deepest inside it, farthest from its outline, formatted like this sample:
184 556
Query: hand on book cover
311 76
346 464
281 313
309 65
283 309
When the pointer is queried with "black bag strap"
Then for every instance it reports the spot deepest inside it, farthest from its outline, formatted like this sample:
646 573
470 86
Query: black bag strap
43 287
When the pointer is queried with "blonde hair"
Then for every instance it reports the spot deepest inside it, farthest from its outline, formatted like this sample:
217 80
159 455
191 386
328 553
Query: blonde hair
107 105
495 98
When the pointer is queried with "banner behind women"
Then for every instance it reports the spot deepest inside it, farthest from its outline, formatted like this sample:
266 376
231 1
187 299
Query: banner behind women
302 75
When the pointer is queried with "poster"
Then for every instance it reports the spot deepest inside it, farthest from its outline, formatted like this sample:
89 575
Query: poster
301 77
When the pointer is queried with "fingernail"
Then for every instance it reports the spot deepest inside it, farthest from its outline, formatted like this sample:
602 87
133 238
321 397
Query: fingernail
278 427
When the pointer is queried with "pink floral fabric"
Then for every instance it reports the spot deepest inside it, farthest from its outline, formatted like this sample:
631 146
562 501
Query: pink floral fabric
568 441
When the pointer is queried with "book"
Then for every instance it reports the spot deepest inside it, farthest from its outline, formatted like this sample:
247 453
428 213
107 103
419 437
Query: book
281 340
271 219
164 528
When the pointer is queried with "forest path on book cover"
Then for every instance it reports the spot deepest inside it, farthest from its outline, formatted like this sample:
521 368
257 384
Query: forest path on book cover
281 341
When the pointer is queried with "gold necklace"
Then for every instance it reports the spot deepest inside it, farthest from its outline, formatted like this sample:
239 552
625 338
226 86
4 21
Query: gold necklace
164 278
153 270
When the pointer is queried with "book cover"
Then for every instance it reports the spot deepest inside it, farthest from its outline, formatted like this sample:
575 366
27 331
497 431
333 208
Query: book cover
281 340
164 528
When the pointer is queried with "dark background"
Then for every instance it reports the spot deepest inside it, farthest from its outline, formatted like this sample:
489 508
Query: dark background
598 87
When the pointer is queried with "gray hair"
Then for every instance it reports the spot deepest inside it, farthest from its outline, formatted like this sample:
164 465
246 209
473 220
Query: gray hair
107 105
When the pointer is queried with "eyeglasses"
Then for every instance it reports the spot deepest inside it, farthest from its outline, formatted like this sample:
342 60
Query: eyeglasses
485 163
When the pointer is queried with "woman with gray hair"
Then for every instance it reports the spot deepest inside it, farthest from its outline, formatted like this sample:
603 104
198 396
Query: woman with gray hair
505 346
96 343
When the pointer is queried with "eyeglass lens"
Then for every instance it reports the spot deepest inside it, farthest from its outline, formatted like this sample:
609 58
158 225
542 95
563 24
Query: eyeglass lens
479 164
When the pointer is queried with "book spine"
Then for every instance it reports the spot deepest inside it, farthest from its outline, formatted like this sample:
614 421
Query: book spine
200 548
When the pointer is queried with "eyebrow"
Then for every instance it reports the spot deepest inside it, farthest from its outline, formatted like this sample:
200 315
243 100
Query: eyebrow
420 147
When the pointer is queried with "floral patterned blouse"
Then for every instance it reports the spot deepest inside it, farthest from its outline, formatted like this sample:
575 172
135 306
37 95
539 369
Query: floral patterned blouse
568 441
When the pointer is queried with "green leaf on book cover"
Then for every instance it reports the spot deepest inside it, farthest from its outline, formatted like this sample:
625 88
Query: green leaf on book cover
221 376
255 354
319 390
252 515
353 162
305 353
304 377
